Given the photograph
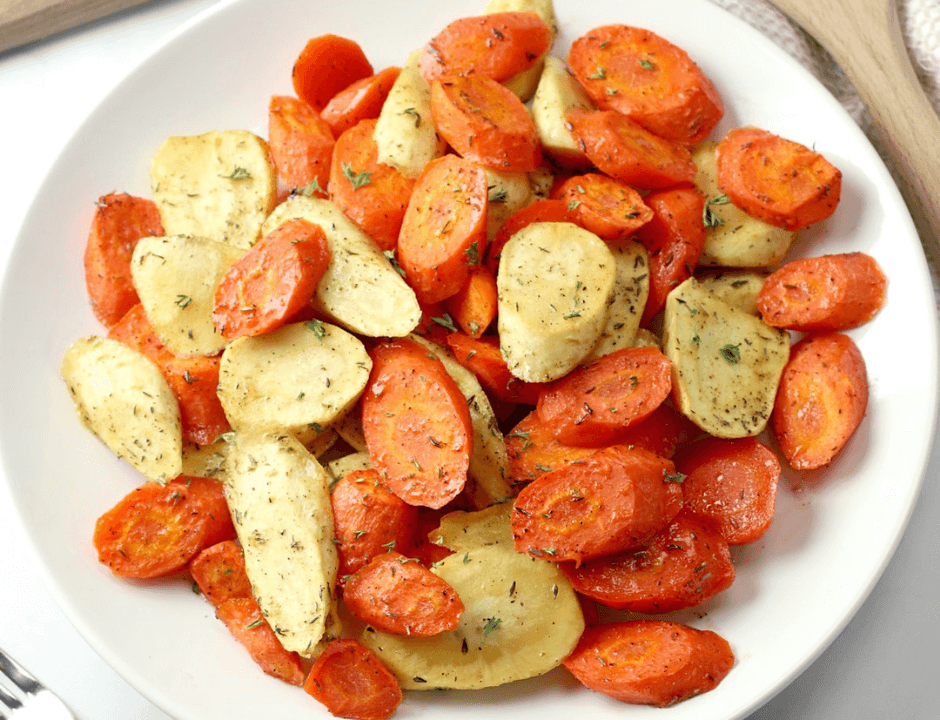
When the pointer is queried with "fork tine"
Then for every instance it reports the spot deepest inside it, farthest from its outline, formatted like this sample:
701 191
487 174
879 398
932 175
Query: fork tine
18 675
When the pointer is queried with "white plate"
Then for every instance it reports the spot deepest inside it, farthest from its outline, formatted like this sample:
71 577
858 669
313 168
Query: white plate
795 589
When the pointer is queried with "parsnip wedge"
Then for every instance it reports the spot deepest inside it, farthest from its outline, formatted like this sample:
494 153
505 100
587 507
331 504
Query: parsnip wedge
123 398
557 92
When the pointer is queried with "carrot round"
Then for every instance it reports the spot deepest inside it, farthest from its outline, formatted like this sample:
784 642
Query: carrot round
120 221
399 595
674 239
647 78
416 424
497 45
821 399
327 65
613 500
473 307
157 529
650 662
607 207
443 233
193 380
776 180
684 565
243 618
830 292
485 122
351 681
269 284
533 450
732 484
540 211
623 149
368 519
362 100
482 357
219 572
301 143
594 403
371 194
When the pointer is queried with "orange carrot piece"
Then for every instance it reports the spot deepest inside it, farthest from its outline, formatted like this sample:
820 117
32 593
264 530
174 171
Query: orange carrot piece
776 180
830 292
821 399
473 307
485 122
482 357
613 500
368 520
194 380
443 233
498 46
269 284
436 323
533 450
362 100
623 149
119 222
648 79
157 529
219 572
351 681
301 143
683 565
607 207
674 239
243 618
595 403
371 194
650 662
732 484
399 595
416 424
662 432
327 65
539 211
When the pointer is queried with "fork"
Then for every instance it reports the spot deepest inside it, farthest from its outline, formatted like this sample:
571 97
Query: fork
27 698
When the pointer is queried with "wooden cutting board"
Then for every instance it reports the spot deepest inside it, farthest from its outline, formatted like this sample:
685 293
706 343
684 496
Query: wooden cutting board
24 21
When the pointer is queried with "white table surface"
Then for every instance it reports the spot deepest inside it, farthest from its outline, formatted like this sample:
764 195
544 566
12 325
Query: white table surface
884 665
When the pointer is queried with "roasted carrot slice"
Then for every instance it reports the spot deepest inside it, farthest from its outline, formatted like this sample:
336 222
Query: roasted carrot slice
485 122
120 221
194 380
613 500
534 451
371 194
368 520
243 618
219 572
482 357
539 211
268 285
301 143
607 207
647 78
830 292
776 180
416 424
362 100
498 46
732 484
684 565
473 307
157 529
351 681
443 233
674 239
327 65
399 595
436 323
821 399
650 662
623 149
595 403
